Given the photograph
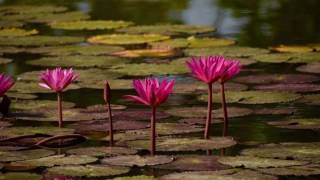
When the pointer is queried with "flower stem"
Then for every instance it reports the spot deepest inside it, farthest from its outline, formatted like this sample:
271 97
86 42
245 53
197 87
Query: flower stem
209 114
110 124
153 132
225 111
59 95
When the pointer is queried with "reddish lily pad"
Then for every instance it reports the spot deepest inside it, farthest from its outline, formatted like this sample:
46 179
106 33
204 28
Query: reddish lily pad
194 163
135 160
307 170
297 124
290 87
277 78
102 151
11 156
310 68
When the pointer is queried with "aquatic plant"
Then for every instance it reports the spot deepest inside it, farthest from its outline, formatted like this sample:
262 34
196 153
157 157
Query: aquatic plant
231 68
207 69
107 99
6 82
152 92
57 80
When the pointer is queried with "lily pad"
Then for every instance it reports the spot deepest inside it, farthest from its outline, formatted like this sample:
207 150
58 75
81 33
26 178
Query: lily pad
89 50
287 57
292 49
200 112
297 124
30 9
310 68
90 25
290 87
185 144
100 108
23 131
312 99
10 156
257 162
39 40
293 171
38 104
20 175
171 43
167 29
276 111
297 151
127 39
4 124
142 177
135 160
88 170
232 51
277 78
138 114
12 50
209 42
10 24
78 61
5 60
102 151
194 163
152 53
15 32
255 97
20 96
99 84
232 174
57 160
33 87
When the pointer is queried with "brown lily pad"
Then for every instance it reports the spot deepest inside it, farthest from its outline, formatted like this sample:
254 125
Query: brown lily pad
141 177
194 163
102 151
290 87
209 42
297 124
312 99
135 160
310 68
307 170
22 131
277 78
11 156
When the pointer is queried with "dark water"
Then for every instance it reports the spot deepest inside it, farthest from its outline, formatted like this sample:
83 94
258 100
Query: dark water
257 23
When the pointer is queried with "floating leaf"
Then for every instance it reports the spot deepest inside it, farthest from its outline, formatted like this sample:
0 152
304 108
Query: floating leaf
126 39
292 49
171 43
297 151
289 87
114 83
138 114
293 171
287 57
92 50
88 170
10 24
5 60
185 144
78 61
20 175
277 78
257 162
194 163
19 96
167 29
102 151
12 50
38 104
275 111
232 51
310 68
100 108
135 160
142 177
209 42
15 32
312 99
39 40
255 97
29 9
90 25
306 123
24 155
22 131
152 53
4 124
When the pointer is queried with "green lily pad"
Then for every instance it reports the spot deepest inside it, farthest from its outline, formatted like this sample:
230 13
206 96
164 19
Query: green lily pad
289 87
89 50
10 156
287 57
22 131
257 162
10 24
201 112
33 87
310 68
78 61
297 124
232 51
151 53
167 29
127 39
232 174
293 171
277 78
20 175
88 170
5 60
185 144
114 83
255 97
171 43
19 96
297 151
16 32
194 163
30 9
291 49
99 108
102 151
135 160
142 177
57 160
312 99
209 42
4 124
12 50
39 40
90 25
38 104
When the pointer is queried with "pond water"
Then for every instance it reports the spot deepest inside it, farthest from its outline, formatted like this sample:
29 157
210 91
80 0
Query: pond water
254 23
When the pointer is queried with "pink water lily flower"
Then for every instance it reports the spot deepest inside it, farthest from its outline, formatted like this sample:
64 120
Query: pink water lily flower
6 82
152 92
209 70
57 80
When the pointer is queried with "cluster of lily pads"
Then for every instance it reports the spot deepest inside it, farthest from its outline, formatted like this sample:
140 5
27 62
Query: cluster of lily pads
125 52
